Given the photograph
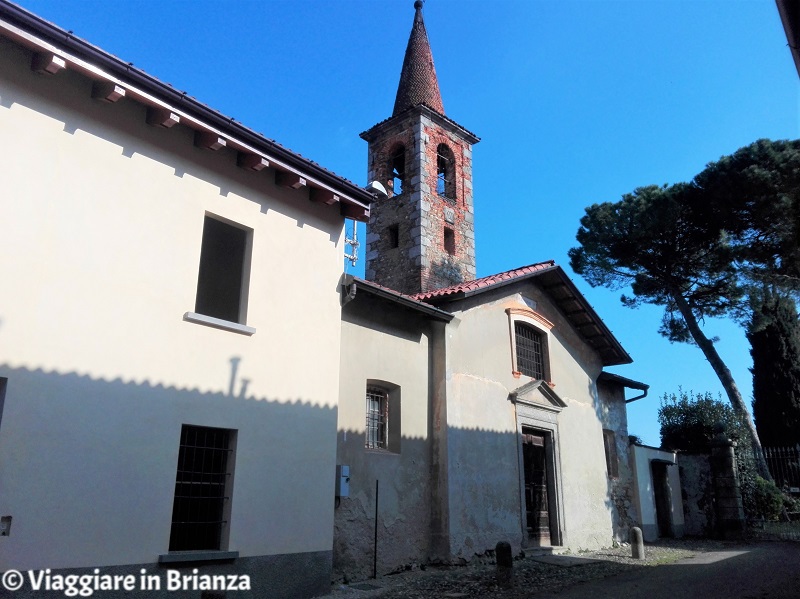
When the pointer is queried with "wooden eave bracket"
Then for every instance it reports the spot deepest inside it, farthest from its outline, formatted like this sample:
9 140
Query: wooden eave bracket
47 62
252 162
324 196
107 91
289 179
50 59
354 211
162 117
209 140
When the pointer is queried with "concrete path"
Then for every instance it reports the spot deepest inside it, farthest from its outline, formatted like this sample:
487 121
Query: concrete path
769 570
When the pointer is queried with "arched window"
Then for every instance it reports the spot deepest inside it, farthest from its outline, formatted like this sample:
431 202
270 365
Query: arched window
530 351
397 170
445 173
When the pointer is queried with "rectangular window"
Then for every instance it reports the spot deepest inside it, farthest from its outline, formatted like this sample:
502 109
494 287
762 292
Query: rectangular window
221 282
610 446
377 418
449 241
530 351
393 236
202 489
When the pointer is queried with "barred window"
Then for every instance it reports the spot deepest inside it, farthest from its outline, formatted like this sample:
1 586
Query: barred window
530 351
202 489
377 418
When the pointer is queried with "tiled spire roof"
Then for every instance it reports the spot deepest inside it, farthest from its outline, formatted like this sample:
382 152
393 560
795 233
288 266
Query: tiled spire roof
418 83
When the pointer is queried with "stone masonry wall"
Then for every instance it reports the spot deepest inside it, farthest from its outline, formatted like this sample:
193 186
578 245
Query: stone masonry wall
698 494
613 416
440 268
392 267
421 261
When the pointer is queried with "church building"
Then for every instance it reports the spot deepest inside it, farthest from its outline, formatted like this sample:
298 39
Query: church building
471 411
157 412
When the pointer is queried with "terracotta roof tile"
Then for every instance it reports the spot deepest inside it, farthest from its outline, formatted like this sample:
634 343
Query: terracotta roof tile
485 282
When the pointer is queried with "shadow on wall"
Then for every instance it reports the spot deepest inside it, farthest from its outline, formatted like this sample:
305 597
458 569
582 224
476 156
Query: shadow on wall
482 504
66 437
610 409
104 453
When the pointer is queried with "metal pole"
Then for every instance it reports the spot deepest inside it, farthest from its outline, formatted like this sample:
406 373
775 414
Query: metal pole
375 545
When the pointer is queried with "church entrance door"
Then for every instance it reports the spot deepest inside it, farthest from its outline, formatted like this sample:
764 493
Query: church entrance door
537 504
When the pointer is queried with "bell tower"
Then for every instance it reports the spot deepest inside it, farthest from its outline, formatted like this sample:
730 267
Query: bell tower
421 238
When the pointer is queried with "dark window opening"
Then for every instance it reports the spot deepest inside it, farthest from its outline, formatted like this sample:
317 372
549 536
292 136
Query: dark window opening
393 236
449 241
220 281
377 418
202 488
610 447
397 170
445 173
530 351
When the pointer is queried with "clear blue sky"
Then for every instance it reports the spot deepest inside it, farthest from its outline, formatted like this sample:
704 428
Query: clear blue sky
576 102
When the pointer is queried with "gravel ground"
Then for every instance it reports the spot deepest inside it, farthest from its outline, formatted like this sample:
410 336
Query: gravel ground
530 576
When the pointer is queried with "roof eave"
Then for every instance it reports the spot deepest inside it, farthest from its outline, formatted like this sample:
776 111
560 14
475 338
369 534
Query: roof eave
398 298
39 35
445 122
610 377
790 17
613 355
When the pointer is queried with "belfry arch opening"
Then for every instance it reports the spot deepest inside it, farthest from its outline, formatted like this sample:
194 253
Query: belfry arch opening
397 170
445 173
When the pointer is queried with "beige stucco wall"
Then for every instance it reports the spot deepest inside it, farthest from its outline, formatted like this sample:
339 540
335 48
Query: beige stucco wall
99 252
641 458
386 345
486 502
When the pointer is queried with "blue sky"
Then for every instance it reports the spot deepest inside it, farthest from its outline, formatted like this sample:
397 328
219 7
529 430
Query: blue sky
576 102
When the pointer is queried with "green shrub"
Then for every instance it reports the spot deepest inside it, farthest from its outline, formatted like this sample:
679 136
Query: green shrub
767 499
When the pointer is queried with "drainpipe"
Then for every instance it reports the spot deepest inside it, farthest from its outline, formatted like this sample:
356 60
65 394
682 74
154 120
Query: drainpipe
642 396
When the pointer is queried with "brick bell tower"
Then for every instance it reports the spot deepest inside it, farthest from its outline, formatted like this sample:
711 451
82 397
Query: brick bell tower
421 237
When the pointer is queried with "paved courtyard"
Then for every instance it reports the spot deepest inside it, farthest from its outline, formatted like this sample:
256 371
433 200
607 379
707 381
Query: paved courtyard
672 570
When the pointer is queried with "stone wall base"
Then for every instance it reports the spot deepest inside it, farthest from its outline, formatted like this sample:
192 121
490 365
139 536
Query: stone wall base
288 576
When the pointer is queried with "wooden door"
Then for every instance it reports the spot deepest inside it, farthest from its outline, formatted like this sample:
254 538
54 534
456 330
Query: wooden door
537 511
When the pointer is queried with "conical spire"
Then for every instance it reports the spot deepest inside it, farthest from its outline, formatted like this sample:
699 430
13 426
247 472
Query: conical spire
418 83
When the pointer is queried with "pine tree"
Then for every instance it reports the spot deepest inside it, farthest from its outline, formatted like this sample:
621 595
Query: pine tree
774 336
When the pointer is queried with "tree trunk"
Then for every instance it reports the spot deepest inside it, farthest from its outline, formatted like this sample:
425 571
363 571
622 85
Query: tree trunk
725 377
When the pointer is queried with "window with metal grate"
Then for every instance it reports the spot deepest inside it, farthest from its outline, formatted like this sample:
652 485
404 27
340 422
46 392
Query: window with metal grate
530 351
202 489
377 418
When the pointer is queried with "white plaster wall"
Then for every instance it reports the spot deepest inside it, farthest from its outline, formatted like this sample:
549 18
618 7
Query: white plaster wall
480 362
99 253
641 456
384 343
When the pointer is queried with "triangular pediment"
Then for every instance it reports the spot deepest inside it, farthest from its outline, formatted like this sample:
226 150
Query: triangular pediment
539 394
